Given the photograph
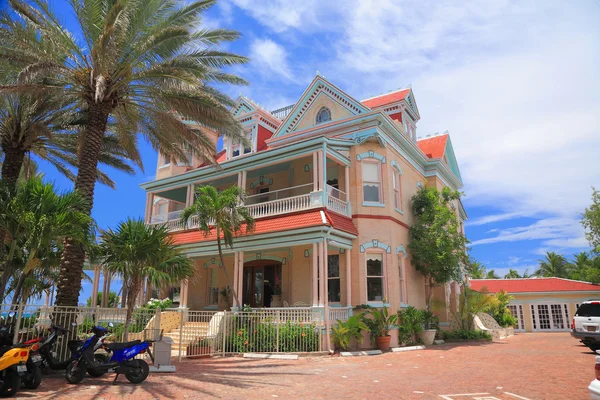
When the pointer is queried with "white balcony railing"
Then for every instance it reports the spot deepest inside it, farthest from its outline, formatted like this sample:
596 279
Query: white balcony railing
282 206
340 313
278 202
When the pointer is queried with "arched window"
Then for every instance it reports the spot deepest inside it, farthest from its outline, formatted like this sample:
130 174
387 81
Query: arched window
323 115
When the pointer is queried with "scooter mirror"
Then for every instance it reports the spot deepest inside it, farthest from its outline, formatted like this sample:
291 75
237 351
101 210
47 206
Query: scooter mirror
110 325
74 324
11 314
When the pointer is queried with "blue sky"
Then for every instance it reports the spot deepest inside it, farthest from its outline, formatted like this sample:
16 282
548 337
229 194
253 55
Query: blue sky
514 82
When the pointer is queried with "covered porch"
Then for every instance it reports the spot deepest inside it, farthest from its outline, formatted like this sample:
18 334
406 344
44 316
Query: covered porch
319 179
312 270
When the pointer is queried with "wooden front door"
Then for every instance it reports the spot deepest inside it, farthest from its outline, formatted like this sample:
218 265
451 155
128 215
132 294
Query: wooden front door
258 283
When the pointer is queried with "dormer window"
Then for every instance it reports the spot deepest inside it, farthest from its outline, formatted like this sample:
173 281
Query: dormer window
323 115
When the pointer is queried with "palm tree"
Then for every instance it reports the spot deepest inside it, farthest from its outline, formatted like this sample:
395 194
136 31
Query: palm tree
554 265
512 274
475 269
223 214
140 252
491 274
36 217
138 61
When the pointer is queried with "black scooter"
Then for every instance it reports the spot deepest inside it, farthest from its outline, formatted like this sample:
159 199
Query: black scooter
47 347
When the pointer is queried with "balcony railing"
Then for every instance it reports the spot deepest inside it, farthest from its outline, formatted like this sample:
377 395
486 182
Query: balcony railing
277 202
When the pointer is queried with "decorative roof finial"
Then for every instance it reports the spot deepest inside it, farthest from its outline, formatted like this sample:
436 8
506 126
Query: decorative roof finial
318 73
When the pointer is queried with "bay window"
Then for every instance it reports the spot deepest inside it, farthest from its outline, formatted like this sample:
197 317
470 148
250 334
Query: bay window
375 277
371 177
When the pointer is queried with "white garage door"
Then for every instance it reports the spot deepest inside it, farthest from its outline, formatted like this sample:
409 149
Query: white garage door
550 317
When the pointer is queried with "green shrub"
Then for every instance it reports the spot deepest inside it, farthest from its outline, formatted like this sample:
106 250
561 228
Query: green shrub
344 332
464 334
378 321
267 337
410 324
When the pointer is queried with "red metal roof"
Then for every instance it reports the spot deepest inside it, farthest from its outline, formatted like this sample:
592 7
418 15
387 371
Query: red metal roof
340 222
532 285
388 98
434 147
275 224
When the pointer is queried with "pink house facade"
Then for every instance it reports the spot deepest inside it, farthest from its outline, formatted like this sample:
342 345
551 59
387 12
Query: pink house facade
329 182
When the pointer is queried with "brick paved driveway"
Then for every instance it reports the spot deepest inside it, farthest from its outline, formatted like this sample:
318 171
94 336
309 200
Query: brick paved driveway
528 366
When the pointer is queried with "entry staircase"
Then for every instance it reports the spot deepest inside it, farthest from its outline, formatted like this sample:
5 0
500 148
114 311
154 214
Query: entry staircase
190 332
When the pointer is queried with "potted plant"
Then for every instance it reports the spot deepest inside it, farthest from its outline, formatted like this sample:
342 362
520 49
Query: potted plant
430 325
348 335
410 324
225 298
379 323
276 300
200 349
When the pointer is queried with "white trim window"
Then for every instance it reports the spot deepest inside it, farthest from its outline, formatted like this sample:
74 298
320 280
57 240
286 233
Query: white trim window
334 286
371 177
213 287
397 189
323 115
402 280
375 277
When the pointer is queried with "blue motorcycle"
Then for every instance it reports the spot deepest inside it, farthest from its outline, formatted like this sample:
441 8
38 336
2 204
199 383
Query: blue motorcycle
121 362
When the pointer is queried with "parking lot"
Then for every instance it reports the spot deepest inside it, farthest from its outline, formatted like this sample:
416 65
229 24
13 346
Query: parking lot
528 366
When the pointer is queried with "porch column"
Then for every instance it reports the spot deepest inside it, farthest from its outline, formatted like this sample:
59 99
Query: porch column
325 291
347 182
149 205
183 294
315 172
348 279
240 282
315 275
244 177
95 284
236 271
190 196
323 273
320 173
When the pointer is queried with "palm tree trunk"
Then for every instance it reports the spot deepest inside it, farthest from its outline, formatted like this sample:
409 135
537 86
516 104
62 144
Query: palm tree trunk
11 168
18 288
71 266
12 164
235 295
131 297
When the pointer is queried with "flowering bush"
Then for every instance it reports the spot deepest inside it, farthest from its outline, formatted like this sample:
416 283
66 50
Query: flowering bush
163 304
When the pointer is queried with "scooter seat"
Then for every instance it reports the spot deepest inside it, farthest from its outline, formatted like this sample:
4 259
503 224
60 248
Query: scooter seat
119 346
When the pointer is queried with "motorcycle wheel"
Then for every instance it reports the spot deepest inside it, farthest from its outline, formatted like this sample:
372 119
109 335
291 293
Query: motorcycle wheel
139 372
100 359
11 383
33 379
75 372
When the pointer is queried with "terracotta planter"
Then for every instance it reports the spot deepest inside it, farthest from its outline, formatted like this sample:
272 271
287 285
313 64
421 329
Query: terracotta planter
276 300
197 352
427 336
383 342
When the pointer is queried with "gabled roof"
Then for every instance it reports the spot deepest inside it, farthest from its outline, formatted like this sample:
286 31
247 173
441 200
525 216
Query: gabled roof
388 98
317 87
275 224
434 147
532 285
439 146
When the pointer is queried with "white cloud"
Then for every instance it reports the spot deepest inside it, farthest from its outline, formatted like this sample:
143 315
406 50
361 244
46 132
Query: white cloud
269 57
513 260
514 82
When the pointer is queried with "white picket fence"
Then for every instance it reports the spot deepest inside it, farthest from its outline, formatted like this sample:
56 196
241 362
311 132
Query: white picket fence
194 333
